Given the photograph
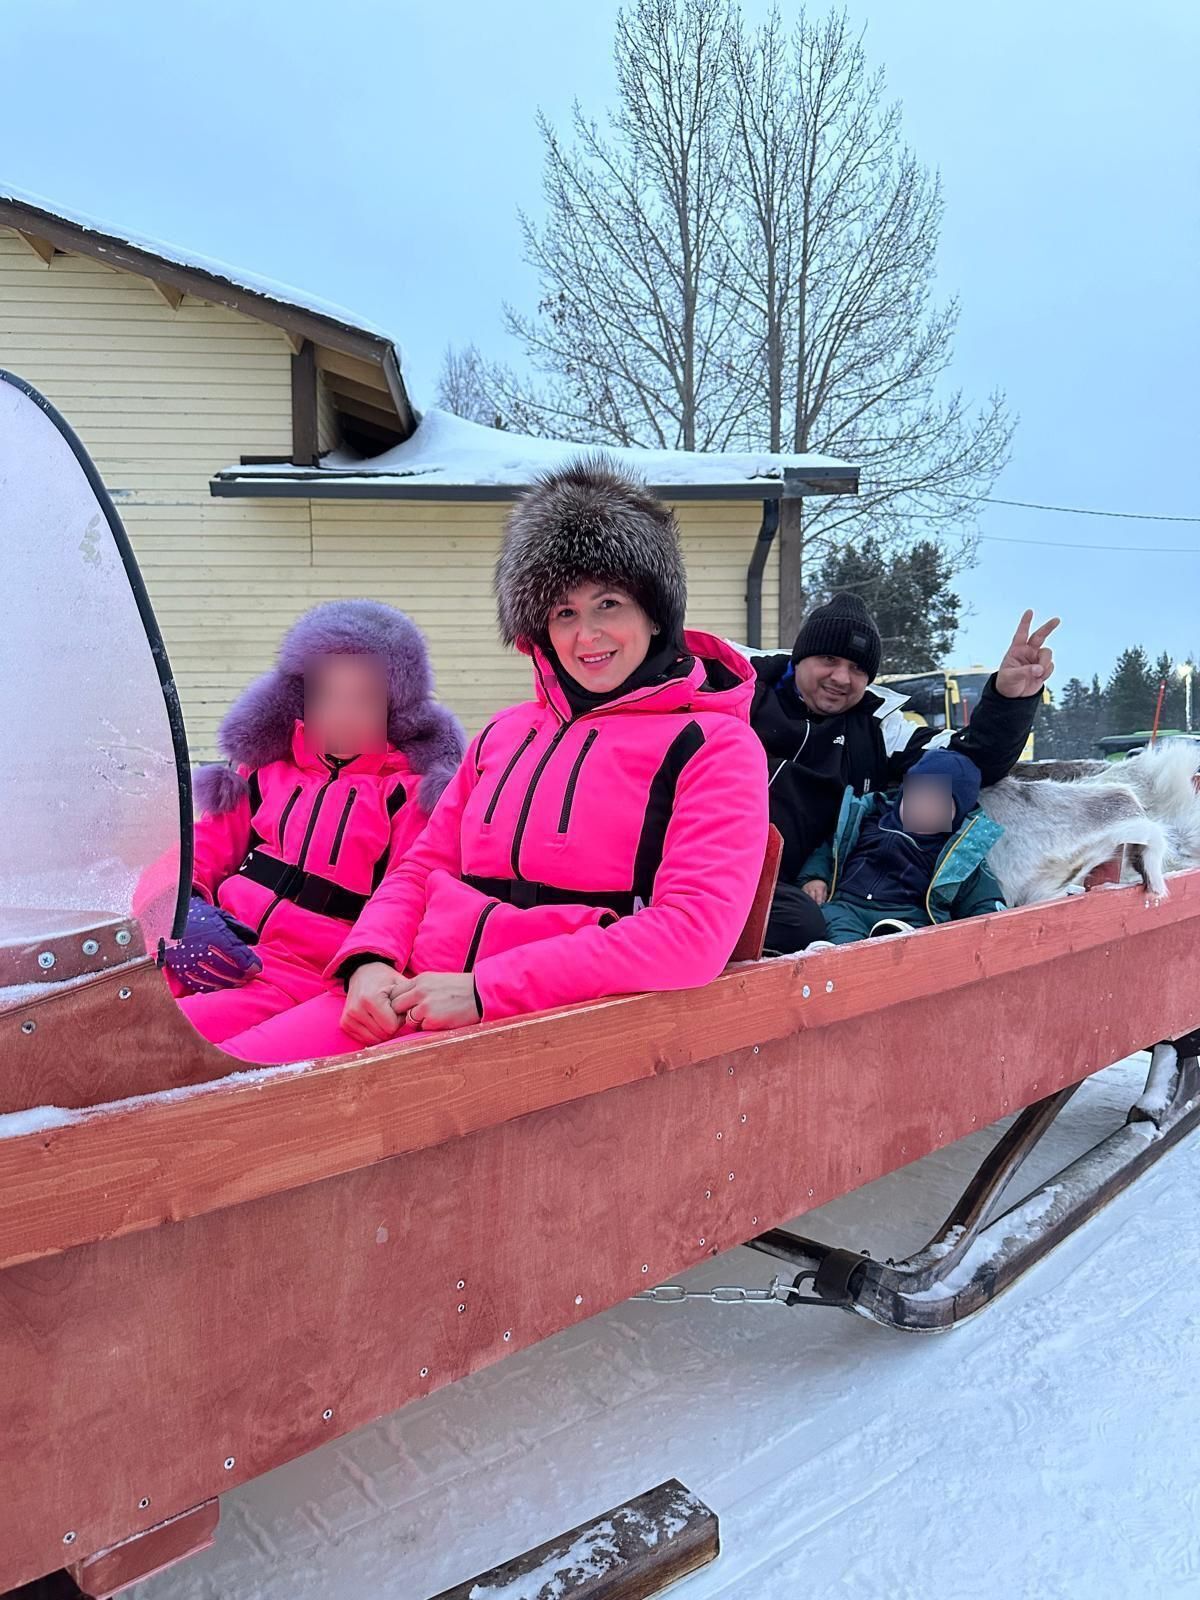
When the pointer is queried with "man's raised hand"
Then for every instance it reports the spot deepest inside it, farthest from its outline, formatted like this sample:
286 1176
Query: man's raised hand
1028 662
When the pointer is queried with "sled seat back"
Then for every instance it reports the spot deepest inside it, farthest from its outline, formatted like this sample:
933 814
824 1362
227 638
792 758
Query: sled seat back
754 935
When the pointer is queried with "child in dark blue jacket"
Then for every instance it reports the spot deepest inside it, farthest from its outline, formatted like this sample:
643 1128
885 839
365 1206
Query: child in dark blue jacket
915 857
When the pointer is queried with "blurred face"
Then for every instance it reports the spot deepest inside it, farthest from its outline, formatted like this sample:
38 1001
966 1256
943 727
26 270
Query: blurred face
829 684
927 806
600 636
345 705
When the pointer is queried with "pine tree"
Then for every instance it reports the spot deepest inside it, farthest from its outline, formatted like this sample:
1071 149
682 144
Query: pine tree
1074 727
1131 692
908 593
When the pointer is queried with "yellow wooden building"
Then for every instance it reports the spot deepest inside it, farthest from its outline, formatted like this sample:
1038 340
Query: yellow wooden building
264 454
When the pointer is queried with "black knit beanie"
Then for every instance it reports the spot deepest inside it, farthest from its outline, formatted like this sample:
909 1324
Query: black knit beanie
844 628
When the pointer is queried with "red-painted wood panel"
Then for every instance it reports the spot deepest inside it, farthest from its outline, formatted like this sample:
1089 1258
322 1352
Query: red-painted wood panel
140 1366
133 1167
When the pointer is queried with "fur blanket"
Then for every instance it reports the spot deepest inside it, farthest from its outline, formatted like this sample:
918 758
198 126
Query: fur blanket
1059 827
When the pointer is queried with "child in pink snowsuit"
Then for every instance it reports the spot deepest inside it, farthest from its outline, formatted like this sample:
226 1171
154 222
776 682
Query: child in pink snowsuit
339 755
605 837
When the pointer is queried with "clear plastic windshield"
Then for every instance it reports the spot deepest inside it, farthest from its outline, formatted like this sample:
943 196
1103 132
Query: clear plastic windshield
90 810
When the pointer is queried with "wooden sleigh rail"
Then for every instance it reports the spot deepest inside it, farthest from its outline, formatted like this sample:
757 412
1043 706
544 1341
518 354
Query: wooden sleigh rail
133 1164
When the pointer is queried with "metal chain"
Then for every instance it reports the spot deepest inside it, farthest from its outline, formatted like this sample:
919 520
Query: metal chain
777 1292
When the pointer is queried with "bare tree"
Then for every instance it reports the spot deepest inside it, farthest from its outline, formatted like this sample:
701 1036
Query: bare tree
836 239
746 260
466 387
638 328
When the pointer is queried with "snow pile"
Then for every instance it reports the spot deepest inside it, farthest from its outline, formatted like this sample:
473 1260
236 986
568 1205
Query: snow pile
447 450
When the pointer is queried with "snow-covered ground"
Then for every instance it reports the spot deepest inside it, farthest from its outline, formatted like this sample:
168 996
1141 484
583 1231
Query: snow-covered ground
1048 1450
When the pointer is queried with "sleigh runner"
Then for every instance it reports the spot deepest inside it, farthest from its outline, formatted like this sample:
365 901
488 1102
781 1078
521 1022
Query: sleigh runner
205 1272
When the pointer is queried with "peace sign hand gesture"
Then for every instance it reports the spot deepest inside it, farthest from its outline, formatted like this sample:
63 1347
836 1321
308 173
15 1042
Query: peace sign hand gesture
1028 662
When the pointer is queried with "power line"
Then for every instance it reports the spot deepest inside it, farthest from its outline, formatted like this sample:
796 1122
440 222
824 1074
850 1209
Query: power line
1083 511
1132 549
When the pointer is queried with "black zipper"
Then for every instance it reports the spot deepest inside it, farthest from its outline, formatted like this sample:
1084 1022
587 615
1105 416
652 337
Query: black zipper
308 833
477 936
507 773
526 804
287 811
564 816
341 827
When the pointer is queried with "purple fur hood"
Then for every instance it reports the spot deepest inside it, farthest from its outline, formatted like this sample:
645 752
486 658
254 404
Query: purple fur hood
258 727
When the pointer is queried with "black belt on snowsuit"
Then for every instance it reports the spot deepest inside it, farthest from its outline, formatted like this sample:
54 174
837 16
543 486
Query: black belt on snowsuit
308 890
525 895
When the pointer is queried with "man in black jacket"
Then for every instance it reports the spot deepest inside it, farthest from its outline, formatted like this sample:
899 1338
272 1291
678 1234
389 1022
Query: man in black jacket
824 728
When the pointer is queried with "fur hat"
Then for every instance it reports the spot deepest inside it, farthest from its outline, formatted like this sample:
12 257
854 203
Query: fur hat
258 727
844 627
588 522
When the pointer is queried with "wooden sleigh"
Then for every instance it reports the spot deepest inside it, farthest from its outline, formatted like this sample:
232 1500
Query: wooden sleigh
206 1272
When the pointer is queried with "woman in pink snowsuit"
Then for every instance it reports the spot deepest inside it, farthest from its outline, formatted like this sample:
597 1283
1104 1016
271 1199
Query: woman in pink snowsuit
604 838
339 755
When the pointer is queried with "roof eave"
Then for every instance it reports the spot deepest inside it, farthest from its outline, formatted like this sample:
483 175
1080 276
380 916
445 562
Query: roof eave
797 483
322 329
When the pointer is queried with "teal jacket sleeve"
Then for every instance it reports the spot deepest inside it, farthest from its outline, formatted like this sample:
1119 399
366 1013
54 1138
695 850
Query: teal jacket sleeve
980 893
819 865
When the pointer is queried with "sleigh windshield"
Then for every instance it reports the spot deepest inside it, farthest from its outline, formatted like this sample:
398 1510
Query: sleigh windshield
89 786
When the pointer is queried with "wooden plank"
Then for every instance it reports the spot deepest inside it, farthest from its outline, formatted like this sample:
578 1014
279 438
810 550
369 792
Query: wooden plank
125 1168
384 421
190 1358
42 248
306 451
367 373
111 1571
631 1552
167 293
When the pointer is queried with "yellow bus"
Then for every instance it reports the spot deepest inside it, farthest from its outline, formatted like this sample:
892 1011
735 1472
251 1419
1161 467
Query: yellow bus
945 698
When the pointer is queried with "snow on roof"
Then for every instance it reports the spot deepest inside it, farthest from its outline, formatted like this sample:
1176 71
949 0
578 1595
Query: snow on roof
284 293
448 452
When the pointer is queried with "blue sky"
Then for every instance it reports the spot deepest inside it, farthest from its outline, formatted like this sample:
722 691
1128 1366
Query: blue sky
376 154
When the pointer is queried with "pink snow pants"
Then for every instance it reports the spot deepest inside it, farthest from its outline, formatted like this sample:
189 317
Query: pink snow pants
280 987
307 1030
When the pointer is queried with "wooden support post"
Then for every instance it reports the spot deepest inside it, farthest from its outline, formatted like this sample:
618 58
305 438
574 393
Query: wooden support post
629 1553
109 1571
305 446
791 570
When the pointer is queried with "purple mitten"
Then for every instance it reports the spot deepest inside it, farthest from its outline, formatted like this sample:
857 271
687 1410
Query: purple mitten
213 953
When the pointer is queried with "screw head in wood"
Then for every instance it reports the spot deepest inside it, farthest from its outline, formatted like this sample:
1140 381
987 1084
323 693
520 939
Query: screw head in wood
144 1503
462 1306
124 936
124 994
507 1335
29 1027
424 1372
327 1414
578 1299
806 991
68 1538
229 1463
46 960
90 947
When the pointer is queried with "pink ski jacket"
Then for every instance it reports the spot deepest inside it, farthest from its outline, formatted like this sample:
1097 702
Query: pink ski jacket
576 857
299 853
